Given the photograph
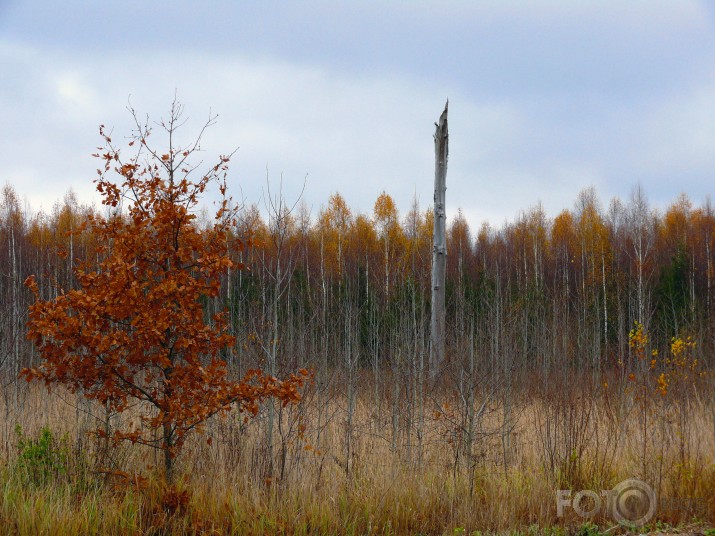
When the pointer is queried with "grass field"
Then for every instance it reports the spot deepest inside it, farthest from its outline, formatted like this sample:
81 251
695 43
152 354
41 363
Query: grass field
375 466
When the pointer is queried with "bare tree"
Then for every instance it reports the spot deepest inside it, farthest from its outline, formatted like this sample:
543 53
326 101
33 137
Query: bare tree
439 254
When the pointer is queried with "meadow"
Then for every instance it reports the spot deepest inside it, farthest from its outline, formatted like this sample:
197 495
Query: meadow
369 470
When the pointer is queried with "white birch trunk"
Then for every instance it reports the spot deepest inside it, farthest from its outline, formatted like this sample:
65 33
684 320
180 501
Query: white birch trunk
439 254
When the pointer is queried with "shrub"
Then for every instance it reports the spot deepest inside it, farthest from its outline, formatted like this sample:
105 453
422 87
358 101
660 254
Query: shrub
43 459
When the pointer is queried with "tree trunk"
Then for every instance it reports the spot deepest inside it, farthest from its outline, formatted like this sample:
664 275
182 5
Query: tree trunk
439 252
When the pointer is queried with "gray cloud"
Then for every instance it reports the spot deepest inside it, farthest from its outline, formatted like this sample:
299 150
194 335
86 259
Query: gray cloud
546 98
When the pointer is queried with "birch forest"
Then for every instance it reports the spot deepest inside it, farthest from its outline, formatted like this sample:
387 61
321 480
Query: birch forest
348 293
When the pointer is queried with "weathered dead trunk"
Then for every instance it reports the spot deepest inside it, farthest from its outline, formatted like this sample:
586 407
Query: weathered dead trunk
439 251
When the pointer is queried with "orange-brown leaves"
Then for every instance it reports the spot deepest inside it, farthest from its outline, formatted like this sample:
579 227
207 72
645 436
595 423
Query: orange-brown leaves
135 326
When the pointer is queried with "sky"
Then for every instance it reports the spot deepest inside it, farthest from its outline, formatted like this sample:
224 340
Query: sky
546 97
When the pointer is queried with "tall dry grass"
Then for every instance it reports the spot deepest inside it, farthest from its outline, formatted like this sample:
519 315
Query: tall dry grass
404 472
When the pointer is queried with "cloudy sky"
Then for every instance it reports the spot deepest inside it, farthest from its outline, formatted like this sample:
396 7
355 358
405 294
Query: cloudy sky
547 97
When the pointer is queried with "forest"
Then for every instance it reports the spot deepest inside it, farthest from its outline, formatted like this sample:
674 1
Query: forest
578 355
537 295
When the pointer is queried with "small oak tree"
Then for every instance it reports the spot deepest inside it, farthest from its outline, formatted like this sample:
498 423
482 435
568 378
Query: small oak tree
136 329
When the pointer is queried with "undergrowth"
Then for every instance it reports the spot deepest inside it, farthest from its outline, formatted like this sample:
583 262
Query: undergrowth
57 478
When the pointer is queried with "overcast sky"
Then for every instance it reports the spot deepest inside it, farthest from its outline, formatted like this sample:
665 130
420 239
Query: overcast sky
546 97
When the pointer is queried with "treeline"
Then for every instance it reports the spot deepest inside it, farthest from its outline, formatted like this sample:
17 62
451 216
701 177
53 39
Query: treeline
339 291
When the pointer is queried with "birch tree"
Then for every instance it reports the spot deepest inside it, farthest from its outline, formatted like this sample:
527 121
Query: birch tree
439 252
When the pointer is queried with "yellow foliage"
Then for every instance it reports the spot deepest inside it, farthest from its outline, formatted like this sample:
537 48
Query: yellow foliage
663 384
638 339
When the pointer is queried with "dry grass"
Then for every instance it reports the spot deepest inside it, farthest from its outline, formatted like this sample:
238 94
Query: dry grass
408 472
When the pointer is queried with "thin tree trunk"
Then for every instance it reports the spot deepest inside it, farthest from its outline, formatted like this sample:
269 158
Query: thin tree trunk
439 254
